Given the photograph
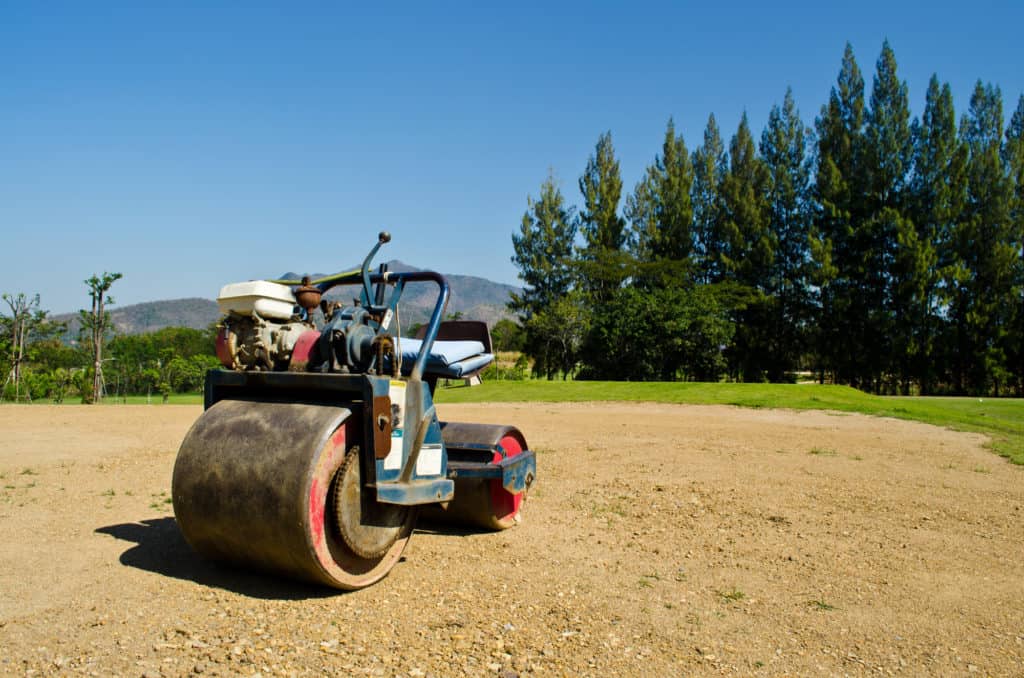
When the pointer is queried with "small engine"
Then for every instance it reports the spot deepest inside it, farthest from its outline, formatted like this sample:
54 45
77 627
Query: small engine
254 343
268 327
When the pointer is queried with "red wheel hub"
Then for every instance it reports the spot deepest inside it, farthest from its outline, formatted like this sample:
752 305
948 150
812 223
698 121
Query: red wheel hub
505 504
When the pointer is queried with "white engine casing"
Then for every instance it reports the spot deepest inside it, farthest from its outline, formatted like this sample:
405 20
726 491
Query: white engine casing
264 298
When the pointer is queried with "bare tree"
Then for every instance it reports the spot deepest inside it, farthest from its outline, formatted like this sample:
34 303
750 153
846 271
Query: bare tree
95 322
26 324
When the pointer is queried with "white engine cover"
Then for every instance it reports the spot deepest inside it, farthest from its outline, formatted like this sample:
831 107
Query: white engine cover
264 298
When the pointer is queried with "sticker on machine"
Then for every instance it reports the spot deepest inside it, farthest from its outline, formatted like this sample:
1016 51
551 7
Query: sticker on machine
393 461
429 461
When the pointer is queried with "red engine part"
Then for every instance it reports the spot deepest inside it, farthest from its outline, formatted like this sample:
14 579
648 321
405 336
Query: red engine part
302 350
224 352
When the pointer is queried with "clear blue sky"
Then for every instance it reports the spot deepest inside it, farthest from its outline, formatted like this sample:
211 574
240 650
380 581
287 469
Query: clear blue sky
188 146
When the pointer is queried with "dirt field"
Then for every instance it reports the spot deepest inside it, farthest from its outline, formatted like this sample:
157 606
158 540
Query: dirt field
660 540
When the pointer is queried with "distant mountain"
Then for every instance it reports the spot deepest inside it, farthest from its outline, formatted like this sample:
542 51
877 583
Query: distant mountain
475 298
153 315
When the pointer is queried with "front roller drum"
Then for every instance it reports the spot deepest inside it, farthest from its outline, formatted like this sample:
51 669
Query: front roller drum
276 487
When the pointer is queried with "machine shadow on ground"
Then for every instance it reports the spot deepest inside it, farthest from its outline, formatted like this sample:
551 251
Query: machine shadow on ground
160 548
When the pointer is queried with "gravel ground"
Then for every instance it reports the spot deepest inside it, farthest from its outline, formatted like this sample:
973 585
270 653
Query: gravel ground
660 540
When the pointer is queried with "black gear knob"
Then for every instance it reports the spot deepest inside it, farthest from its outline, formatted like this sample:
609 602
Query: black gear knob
384 237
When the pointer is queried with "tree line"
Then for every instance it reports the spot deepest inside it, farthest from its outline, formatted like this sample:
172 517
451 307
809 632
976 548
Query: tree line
870 248
38 363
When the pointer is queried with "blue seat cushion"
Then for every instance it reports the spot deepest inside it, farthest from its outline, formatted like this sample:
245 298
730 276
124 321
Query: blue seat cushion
451 359
443 353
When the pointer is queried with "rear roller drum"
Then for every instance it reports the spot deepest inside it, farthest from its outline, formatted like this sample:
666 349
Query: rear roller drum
276 487
483 503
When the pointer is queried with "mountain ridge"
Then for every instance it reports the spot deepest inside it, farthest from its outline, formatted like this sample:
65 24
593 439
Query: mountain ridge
474 297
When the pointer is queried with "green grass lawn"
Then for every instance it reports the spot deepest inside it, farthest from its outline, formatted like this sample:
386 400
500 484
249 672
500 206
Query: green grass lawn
1002 419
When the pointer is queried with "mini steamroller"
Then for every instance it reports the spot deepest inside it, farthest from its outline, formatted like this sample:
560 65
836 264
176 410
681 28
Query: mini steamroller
318 448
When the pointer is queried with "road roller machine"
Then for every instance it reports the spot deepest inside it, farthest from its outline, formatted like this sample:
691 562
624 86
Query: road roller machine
320 445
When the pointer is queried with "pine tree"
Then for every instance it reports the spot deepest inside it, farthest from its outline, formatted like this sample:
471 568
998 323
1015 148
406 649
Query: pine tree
543 251
604 230
887 136
985 247
937 195
710 165
912 274
835 244
673 239
661 212
748 251
784 152
748 244
641 211
1014 159
896 261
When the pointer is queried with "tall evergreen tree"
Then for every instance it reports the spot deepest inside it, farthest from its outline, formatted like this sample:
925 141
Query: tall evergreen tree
937 195
710 164
604 230
748 244
661 211
985 246
748 251
673 239
887 135
784 152
911 281
641 211
543 251
895 259
1014 159
838 257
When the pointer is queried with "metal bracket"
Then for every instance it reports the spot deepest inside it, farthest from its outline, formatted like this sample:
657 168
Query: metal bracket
381 426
